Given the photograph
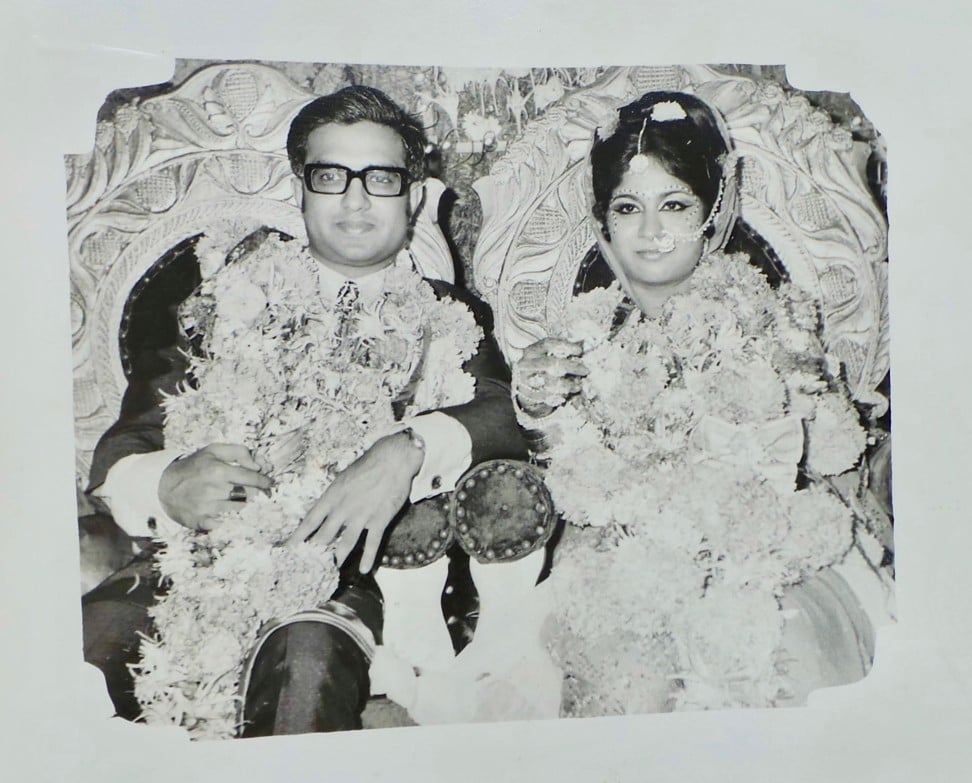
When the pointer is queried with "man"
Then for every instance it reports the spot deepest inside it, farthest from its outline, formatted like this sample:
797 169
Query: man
358 161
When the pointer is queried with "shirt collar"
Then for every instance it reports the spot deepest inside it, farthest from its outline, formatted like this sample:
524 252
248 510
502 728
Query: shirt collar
370 286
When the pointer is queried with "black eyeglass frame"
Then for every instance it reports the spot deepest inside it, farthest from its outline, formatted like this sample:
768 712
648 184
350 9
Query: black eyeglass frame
352 175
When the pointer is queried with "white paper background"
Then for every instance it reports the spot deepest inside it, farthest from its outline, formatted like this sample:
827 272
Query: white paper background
907 65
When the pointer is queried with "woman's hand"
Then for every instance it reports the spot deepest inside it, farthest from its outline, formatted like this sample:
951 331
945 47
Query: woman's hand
548 374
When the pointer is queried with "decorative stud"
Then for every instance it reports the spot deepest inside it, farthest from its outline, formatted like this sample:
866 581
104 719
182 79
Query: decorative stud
501 469
540 530
384 560
433 546
463 527
443 534
396 560
508 552
420 557
460 495
470 484
490 554
409 559
460 513
518 473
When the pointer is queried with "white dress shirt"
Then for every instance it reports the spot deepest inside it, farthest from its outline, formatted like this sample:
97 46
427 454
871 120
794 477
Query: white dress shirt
131 486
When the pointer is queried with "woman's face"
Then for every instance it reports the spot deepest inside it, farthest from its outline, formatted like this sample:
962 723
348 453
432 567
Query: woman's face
654 220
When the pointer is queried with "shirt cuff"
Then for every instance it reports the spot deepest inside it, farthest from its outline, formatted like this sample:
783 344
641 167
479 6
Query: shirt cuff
448 454
131 491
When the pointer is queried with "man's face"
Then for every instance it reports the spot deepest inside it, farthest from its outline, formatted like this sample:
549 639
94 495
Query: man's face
355 233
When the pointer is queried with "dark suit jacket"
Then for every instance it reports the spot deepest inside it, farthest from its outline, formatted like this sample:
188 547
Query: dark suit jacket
488 417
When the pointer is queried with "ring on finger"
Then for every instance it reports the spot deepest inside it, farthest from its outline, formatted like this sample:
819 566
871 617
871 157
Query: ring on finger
238 494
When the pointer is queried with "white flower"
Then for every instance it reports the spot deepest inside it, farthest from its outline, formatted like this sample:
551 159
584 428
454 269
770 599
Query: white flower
667 111
485 130
835 439
608 126
243 304
210 256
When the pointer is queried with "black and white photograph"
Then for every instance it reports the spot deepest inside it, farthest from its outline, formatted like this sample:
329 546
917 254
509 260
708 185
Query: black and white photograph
522 414
651 472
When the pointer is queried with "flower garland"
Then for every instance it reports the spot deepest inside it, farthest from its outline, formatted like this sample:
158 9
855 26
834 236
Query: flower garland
677 467
280 374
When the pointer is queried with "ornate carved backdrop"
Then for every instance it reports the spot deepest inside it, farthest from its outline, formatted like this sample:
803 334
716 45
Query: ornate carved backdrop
205 153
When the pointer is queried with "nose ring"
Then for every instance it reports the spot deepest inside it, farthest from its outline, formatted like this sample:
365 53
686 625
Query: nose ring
665 241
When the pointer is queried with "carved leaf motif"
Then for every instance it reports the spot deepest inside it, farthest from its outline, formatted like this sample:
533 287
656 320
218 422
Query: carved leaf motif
77 314
528 297
123 217
238 91
157 191
190 123
78 168
100 248
245 173
840 287
118 155
546 225
269 119
882 357
97 181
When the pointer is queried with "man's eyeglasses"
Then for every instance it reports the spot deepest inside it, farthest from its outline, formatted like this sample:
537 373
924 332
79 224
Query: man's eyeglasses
333 180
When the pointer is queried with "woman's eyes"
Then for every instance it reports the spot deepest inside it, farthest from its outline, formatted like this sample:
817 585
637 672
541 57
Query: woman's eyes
675 205
625 208
668 205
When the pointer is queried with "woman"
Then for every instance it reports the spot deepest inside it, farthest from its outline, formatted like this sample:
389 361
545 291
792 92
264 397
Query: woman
692 427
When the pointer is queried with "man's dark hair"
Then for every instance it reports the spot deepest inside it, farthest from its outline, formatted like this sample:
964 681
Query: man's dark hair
691 149
357 104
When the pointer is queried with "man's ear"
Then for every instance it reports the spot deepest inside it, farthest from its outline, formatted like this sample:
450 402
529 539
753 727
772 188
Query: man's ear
298 191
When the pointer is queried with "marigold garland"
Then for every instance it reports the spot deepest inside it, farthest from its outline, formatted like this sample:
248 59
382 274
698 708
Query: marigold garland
677 467
275 375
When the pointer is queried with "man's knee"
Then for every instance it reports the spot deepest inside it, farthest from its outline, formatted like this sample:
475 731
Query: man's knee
306 677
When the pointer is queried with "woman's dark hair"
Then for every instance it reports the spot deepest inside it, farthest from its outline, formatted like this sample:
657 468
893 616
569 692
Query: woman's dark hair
357 104
690 149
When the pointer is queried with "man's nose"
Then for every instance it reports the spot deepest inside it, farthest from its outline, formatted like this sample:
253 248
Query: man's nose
355 197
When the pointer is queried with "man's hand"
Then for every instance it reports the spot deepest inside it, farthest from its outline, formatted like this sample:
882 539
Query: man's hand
196 489
364 498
